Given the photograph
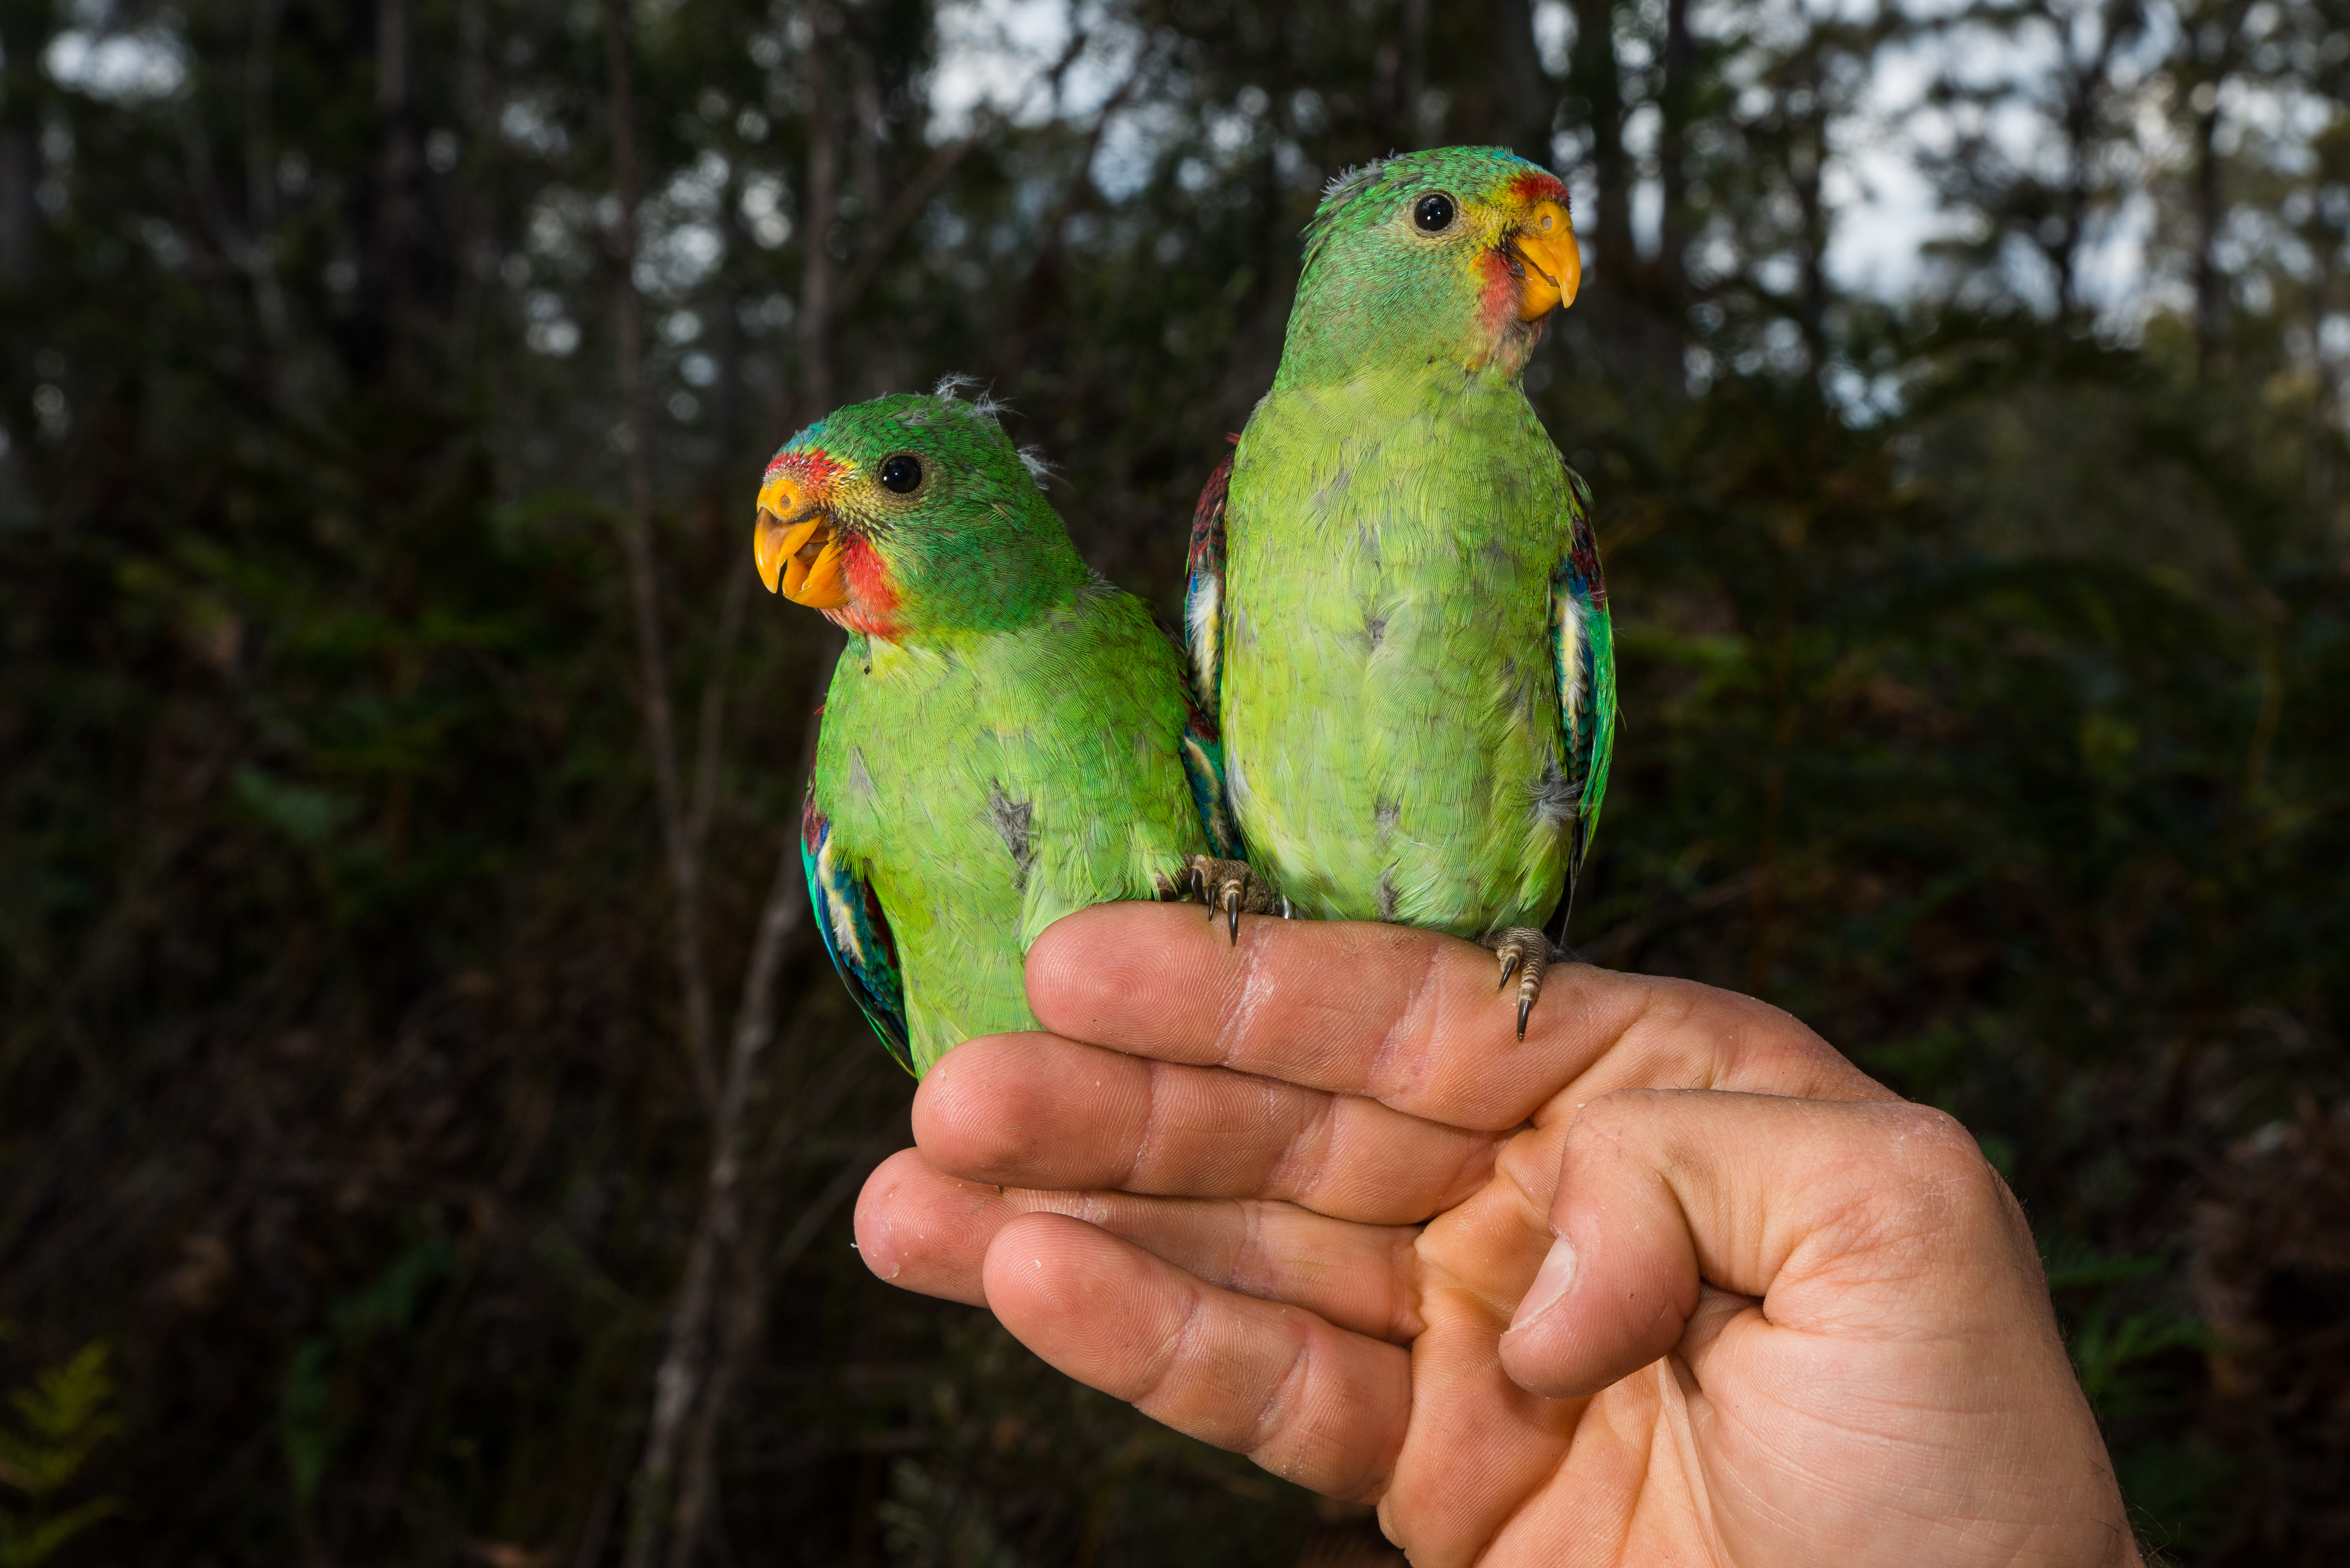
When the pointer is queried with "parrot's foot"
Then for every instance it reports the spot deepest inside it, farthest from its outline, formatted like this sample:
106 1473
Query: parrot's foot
1231 887
1524 953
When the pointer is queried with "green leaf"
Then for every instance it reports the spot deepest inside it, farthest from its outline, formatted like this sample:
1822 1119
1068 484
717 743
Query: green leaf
307 816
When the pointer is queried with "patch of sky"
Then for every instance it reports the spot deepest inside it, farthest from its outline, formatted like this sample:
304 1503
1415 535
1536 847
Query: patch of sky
1862 399
1292 168
675 261
1886 208
762 201
998 59
546 328
678 244
769 312
128 66
1232 130
559 221
1132 143
1964 81
1553 35
529 122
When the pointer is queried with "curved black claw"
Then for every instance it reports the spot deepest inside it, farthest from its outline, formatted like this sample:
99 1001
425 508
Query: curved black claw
1231 889
1524 952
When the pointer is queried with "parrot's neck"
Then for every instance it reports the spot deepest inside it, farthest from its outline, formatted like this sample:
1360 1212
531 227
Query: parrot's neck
1350 408
1342 331
1025 607
977 580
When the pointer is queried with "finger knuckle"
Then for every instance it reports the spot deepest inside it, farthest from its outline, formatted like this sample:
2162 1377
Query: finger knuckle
1619 1113
1941 1167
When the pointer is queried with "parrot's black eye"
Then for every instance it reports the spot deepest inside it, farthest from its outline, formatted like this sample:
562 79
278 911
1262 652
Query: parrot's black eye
902 473
1433 214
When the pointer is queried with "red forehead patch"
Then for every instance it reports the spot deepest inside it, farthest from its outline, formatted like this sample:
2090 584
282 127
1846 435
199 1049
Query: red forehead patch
1537 185
813 468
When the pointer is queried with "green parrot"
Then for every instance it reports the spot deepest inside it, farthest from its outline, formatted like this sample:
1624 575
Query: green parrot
1395 604
1007 738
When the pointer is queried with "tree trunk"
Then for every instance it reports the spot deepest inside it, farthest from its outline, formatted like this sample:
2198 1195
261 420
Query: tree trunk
1530 103
821 212
1413 114
1678 105
1597 84
2210 283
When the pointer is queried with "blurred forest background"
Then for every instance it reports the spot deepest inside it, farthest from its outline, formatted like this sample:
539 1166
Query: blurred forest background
427 1126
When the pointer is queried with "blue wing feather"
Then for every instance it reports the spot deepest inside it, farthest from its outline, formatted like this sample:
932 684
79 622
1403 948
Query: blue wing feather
1584 651
856 932
1203 638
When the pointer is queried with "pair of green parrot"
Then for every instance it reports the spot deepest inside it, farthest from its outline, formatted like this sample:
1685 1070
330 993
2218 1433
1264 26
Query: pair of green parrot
1401 695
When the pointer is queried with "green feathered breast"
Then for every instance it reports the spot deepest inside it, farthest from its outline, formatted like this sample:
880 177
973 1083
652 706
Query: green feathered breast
1397 602
1007 738
988 784
1391 718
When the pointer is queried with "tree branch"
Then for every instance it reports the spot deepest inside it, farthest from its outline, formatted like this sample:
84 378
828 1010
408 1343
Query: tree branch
644 593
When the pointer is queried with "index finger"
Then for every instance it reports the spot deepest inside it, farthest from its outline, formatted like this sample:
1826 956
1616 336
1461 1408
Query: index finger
1408 1017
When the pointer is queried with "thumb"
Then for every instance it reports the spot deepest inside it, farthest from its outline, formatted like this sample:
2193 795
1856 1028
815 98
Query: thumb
1829 1213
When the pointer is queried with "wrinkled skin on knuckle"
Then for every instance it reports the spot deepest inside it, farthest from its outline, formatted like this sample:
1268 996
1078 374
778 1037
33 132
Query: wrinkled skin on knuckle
1916 1201
1614 1119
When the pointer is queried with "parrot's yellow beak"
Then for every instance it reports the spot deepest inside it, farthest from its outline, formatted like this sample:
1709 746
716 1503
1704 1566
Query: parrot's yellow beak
797 549
1546 244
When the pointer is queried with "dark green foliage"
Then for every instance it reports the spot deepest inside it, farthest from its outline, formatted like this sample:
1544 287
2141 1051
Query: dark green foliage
1982 666
63 1416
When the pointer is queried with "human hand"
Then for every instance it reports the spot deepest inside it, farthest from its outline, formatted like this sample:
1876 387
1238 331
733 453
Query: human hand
1291 1199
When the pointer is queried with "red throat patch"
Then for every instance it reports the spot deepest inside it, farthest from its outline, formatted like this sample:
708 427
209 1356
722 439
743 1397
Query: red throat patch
1497 296
872 607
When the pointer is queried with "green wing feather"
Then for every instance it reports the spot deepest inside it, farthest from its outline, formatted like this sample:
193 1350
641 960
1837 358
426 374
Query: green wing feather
1203 641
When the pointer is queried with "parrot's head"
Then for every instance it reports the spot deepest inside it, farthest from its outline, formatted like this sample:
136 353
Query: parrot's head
913 515
1455 255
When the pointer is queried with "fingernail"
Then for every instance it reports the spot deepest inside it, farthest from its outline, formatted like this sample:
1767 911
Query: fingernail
1557 1275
